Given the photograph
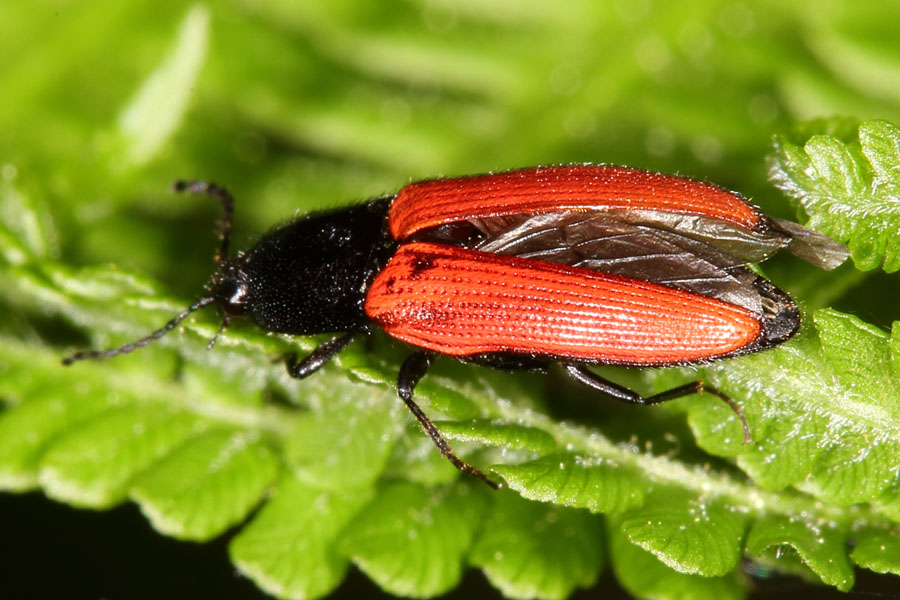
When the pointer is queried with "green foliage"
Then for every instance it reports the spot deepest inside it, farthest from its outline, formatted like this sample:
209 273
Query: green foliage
429 531
302 105
599 485
820 545
646 577
690 534
206 485
848 188
289 549
538 550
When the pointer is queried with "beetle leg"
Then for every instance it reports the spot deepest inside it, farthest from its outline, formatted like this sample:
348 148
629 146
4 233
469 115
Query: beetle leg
316 359
583 375
413 369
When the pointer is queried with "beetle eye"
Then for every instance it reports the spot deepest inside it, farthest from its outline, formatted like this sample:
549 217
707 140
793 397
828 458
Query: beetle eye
232 295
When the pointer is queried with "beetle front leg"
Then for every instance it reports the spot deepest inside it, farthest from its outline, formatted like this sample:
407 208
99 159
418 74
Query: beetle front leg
583 375
411 371
317 359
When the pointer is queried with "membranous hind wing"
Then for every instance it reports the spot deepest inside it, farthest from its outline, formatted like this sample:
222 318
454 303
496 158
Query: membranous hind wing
695 254
662 201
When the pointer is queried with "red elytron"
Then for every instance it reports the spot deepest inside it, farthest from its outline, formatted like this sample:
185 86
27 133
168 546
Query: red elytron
427 204
463 302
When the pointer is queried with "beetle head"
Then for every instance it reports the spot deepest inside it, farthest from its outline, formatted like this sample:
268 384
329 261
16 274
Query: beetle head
230 287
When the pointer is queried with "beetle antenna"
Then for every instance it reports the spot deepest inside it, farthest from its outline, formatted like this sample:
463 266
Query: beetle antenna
129 347
212 190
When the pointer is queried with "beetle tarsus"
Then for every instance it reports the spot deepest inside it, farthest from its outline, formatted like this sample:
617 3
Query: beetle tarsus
413 369
583 375
318 358
748 439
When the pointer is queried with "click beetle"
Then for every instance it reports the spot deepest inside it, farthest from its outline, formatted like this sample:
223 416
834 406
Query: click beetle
577 264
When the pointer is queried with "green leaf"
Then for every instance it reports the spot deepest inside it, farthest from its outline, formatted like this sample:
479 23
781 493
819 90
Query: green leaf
207 485
414 459
40 409
531 550
438 393
411 541
27 430
689 534
94 465
888 505
826 418
787 453
31 231
289 547
821 546
644 576
851 191
506 435
877 550
597 474
597 485
347 441
159 106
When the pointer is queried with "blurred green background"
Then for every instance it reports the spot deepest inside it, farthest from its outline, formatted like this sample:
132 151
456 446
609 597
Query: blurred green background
295 105
314 103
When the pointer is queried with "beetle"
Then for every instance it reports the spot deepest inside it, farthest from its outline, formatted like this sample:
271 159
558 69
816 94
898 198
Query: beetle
575 264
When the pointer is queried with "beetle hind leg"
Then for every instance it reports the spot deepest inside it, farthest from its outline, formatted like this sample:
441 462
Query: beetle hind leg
413 369
583 375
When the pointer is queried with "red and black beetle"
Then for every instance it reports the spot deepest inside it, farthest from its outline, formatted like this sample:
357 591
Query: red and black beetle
579 264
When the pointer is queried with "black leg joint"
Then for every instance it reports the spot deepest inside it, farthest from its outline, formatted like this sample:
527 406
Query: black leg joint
411 371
